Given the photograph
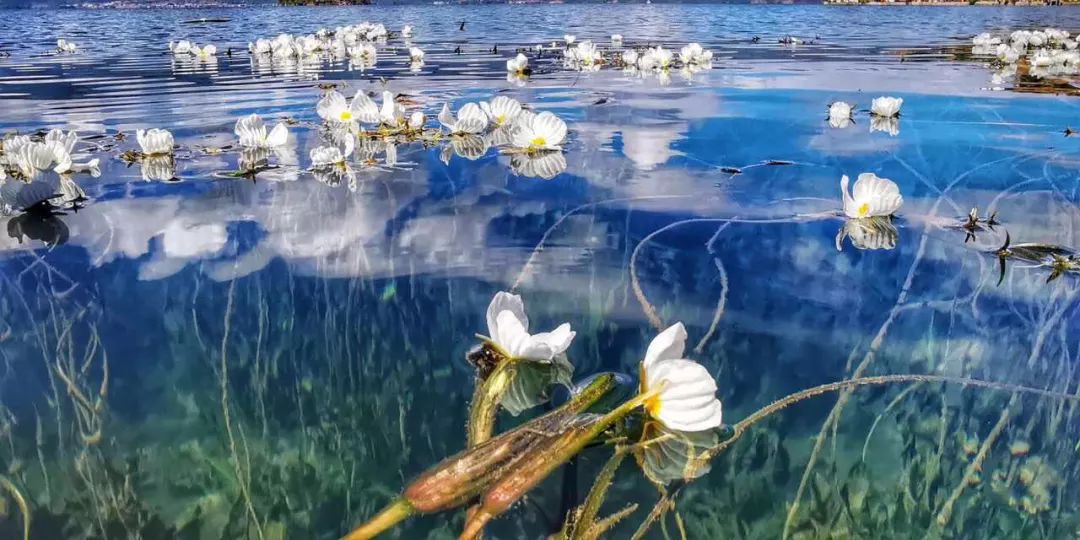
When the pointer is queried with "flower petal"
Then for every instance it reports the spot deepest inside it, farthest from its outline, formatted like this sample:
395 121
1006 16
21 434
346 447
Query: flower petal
668 345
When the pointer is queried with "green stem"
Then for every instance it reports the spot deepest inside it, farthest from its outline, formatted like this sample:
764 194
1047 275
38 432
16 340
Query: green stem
390 516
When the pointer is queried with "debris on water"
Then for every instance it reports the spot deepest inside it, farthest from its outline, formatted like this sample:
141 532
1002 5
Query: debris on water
389 291
731 170
206 20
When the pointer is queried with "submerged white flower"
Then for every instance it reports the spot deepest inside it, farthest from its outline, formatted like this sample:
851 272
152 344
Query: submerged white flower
535 132
180 47
683 392
870 196
695 54
502 110
416 54
508 328
840 114
155 141
253 133
518 64
65 46
470 119
887 107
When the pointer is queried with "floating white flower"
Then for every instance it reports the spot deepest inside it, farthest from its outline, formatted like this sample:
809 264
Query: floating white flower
535 132
630 58
29 158
180 47
364 109
204 52
155 141
260 46
416 54
334 108
870 196
616 39
502 110
570 38
518 64
65 46
695 54
584 54
417 120
364 54
253 133
508 329
470 119
407 31
887 107
985 40
840 114
683 392
656 58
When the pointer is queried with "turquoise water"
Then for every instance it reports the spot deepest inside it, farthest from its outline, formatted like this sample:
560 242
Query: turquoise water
181 345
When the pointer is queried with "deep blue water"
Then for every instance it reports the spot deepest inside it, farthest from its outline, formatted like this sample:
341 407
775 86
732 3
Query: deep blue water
339 318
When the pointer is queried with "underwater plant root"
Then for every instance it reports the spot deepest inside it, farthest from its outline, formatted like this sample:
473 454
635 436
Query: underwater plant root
743 425
20 501
526 270
975 466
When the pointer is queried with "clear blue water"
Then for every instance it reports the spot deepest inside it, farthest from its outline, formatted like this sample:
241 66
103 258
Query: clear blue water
339 319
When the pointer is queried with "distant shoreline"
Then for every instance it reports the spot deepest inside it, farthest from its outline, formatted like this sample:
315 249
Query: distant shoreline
952 3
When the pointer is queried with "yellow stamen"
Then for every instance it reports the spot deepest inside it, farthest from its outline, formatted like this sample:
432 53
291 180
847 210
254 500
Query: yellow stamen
346 116
864 209
538 142
500 119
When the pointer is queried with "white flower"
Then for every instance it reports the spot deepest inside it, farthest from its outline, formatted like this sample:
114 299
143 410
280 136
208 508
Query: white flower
683 392
180 47
695 54
260 46
985 39
887 107
65 46
570 38
502 110
657 58
416 120
364 54
253 133
585 53
616 39
203 52
1007 54
470 119
517 64
155 141
840 114
334 108
406 31
630 58
332 156
870 196
508 328
415 54
534 132
29 158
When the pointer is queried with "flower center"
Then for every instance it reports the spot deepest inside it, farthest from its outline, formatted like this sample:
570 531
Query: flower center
864 209
538 142
500 119
346 116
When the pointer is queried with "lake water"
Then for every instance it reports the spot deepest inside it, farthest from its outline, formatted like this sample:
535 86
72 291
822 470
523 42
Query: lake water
190 354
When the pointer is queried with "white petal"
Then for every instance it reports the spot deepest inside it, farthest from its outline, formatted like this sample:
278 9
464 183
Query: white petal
278 136
504 301
668 345
558 340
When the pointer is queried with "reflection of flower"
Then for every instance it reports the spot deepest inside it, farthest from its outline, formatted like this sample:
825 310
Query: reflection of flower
683 392
840 114
670 455
161 167
155 142
543 131
416 54
468 146
546 165
870 196
887 107
890 125
508 328
876 232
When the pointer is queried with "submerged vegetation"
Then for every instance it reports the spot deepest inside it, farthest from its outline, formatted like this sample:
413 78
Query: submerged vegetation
249 399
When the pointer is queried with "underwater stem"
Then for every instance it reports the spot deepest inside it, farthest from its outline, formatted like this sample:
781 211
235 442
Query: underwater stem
485 404
388 517
20 501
